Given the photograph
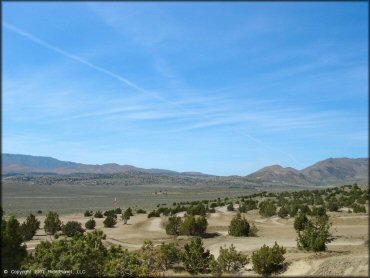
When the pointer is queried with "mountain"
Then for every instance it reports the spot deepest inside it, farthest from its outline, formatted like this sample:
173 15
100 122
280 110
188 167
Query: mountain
337 170
278 174
28 164
332 171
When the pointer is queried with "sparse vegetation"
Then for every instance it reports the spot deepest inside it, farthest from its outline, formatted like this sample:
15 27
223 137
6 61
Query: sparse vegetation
52 223
267 208
72 228
239 226
90 224
195 258
88 213
98 214
173 227
268 260
315 234
29 227
229 261
109 221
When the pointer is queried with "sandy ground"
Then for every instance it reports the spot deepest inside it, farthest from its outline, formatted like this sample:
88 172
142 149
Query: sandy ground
347 254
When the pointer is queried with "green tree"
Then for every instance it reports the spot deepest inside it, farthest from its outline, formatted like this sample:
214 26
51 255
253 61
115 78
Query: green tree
52 223
12 251
72 228
122 263
29 227
141 211
90 224
109 221
283 212
168 255
230 207
150 258
129 210
315 235
86 252
173 227
267 208
195 258
192 226
126 216
332 206
268 260
98 214
358 208
239 226
300 222
229 261
88 213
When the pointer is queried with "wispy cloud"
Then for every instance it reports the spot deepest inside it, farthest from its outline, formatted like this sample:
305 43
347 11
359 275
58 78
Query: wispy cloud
102 70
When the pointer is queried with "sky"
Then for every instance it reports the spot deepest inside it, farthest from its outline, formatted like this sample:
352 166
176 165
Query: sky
220 88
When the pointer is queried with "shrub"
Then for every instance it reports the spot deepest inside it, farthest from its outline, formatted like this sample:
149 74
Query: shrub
300 222
192 226
153 213
13 251
111 213
267 209
126 216
358 208
229 261
85 252
29 227
90 224
333 206
293 209
39 212
268 260
243 208
141 211
253 230
239 226
230 207
315 235
88 213
118 211
168 255
318 211
72 228
52 223
283 212
129 211
98 214
109 221
173 226
195 258
150 258
122 263
199 209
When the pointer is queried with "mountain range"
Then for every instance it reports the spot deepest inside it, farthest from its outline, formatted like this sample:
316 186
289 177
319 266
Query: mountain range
331 171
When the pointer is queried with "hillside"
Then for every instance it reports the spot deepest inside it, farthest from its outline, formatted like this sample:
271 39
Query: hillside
332 171
337 170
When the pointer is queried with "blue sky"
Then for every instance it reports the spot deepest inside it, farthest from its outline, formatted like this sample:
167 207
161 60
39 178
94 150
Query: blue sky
221 88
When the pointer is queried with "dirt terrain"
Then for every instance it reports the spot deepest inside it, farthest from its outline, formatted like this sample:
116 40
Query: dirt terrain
347 254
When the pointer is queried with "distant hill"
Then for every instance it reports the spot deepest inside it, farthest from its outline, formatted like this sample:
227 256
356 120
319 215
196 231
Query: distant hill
337 170
28 164
278 174
332 171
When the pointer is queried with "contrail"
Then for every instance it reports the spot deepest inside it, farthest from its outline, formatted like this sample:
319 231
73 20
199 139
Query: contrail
82 61
123 80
